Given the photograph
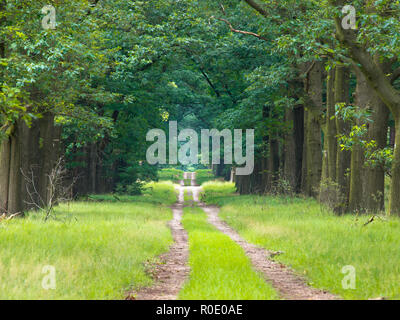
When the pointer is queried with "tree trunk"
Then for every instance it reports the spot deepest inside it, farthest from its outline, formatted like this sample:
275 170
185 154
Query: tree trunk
313 140
31 162
289 168
375 176
395 187
328 190
15 201
331 131
47 154
5 153
293 148
362 101
371 193
274 160
343 157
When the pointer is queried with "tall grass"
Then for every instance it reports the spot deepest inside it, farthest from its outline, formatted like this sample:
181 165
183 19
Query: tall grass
204 175
98 249
170 174
153 192
217 189
219 267
318 244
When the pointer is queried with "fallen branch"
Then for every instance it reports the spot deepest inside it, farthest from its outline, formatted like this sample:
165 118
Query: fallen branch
4 216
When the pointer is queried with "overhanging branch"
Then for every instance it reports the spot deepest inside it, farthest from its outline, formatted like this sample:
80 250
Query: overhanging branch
241 31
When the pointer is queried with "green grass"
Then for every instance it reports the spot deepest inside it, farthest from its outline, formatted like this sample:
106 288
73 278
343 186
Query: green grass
217 189
204 175
98 249
170 174
219 267
188 197
318 244
154 192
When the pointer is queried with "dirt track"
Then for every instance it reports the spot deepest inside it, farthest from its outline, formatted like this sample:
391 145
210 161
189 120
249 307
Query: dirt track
171 274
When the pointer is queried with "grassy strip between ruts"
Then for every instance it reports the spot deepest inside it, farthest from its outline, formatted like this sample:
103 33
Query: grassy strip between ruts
318 244
98 249
219 267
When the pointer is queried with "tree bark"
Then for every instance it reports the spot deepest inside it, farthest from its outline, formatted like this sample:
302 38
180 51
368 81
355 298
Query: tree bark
362 101
367 187
5 154
331 131
343 158
313 136
15 201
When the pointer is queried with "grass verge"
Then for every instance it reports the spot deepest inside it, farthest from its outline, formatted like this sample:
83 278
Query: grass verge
318 244
98 249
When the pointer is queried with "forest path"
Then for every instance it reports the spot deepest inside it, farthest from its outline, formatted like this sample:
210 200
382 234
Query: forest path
172 272
289 285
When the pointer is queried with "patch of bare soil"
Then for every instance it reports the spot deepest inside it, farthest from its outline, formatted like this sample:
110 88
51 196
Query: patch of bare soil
170 275
289 285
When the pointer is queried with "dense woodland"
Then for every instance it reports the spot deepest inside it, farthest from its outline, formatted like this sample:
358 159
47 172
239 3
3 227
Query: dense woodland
324 100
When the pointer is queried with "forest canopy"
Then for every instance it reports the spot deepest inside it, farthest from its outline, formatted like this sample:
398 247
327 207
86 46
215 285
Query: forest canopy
316 80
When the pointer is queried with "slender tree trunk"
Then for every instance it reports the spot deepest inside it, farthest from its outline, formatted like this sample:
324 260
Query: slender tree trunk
299 145
15 201
5 153
331 131
357 154
325 167
328 192
375 176
343 157
289 168
395 187
274 161
5 143
294 141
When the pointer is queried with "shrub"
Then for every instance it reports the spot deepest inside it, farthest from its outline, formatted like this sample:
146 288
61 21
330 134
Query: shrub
170 174
204 175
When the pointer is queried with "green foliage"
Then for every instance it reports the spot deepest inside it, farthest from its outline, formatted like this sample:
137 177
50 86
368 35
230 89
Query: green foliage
215 189
152 192
358 136
170 174
204 175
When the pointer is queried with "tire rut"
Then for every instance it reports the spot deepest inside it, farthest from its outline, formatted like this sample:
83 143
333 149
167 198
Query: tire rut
173 271
289 285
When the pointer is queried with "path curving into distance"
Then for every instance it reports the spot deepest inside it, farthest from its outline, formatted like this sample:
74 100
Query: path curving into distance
172 274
